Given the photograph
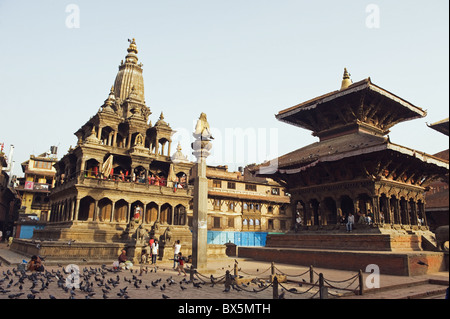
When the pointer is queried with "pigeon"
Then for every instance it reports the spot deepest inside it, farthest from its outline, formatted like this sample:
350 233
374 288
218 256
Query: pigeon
165 297
281 296
182 287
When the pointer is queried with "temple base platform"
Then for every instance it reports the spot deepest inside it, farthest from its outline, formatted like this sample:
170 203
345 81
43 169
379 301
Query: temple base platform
395 253
96 242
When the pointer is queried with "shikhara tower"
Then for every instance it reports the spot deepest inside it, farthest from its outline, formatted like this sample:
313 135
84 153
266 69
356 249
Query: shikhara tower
120 182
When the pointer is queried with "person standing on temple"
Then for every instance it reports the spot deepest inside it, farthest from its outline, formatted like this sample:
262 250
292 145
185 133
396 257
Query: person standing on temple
155 249
350 222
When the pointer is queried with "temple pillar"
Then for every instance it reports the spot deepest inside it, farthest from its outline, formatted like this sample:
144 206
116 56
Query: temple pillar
77 209
99 133
114 143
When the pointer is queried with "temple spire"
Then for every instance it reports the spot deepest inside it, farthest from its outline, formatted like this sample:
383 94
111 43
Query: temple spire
346 81
132 52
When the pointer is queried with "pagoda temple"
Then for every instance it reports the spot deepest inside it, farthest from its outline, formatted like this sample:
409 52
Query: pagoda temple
355 168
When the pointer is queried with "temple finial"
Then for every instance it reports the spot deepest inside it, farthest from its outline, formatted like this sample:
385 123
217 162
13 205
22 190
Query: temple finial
132 47
346 81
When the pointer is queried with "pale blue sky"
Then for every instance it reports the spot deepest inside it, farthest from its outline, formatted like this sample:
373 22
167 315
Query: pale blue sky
239 61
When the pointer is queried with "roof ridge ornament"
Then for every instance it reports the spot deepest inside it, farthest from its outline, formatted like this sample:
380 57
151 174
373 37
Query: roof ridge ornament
346 81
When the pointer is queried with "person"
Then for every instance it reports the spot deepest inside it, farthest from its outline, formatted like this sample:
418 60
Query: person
176 250
181 264
151 241
123 256
144 256
137 212
35 264
10 240
381 217
350 222
155 248
124 263
298 222
1 235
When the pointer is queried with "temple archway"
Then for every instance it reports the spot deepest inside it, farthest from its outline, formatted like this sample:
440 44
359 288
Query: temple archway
166 214
87 208
151 213
104 209
121 211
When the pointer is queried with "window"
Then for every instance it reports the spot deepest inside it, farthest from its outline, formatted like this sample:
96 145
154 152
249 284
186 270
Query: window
231 206
43 165
217 183
275 191
231 222
216 222
250 187
270 209
270 224
282 224
217 204
231 185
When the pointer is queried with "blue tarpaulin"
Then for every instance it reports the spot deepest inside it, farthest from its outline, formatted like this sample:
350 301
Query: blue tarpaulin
237 238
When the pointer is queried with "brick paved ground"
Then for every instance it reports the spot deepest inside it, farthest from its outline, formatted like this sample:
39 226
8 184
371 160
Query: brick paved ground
136 285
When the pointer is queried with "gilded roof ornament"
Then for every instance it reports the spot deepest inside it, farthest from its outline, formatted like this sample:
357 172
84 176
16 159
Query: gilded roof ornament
346 81
132 47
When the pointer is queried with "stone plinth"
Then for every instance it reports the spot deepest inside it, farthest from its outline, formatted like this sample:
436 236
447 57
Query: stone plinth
372 242
75 252
390 263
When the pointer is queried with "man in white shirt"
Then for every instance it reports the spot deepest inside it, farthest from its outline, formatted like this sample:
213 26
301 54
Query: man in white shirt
350 222
155 248
176 250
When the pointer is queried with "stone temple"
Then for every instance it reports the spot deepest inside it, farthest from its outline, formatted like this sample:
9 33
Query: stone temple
119 184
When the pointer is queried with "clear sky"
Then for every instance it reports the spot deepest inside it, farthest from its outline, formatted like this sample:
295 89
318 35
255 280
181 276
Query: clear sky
239 61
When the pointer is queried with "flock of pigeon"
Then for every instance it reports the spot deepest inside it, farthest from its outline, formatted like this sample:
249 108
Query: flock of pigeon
101 282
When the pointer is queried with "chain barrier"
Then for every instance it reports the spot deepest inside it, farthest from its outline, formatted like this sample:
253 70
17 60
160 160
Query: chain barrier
322 284
259 273
283 273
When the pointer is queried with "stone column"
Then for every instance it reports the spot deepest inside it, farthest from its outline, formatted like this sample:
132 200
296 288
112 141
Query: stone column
113 212
201 148
77 209
128 217
115 139
99 135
